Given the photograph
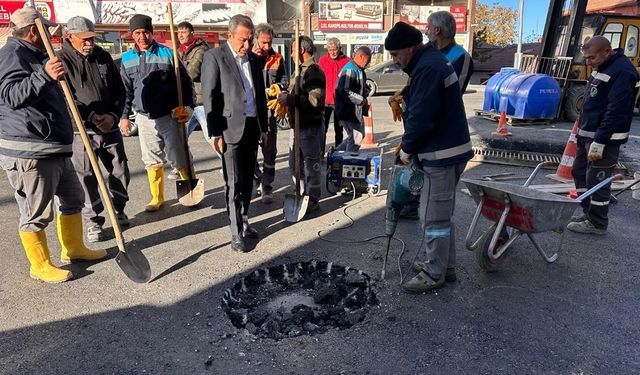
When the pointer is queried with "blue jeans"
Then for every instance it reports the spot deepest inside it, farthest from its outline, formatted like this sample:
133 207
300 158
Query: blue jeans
198 117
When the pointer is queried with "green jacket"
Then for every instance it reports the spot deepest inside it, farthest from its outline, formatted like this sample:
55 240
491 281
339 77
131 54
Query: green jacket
192 60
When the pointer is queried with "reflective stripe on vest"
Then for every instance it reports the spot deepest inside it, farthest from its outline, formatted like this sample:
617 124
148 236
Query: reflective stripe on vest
601 76
35 147
451 79
614 136
446 153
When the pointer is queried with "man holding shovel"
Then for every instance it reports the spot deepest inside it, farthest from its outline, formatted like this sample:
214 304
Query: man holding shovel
99 95
309 102
149 78
36 147
236 108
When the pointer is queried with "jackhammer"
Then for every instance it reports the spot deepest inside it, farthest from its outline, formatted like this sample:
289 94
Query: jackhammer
406 180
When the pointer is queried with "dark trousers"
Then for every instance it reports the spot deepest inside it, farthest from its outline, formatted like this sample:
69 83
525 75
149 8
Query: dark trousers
269 152
109 148
238 163
587 174
310 168
328 109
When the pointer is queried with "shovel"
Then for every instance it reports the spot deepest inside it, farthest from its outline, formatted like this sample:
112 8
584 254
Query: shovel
131 261
295 205
190 191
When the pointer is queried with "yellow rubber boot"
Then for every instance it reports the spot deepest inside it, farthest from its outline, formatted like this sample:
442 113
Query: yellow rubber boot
71 240
35 245
182 172
156 185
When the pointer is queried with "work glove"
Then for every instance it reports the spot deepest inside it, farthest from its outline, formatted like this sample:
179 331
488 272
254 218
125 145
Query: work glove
404 157
181 114
280 111
595 151
273 91
395 102
272 104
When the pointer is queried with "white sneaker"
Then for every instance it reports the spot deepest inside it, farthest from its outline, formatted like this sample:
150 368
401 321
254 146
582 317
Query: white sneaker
173 175
94 233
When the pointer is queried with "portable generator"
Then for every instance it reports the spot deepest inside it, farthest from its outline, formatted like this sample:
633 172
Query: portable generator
362 169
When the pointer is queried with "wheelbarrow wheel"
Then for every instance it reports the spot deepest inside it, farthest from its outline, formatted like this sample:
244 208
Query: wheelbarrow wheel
482 252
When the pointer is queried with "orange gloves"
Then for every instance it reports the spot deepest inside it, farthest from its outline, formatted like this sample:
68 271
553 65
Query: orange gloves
181 114
395 102
280 111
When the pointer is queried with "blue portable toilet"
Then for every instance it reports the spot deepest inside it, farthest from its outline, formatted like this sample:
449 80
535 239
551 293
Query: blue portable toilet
491 91
529 96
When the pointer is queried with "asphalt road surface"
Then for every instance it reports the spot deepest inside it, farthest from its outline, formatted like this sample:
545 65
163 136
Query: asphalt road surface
578 315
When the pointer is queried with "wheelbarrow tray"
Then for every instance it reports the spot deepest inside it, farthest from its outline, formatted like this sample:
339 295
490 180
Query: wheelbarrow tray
531 211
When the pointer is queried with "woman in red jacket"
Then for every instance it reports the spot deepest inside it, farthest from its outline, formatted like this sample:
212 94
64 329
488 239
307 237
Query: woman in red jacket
331 64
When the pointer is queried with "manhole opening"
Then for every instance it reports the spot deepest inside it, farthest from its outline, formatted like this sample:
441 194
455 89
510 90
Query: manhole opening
299 299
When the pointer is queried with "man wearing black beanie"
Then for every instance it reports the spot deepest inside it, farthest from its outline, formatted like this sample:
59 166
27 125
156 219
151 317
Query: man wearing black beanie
436 138
149 78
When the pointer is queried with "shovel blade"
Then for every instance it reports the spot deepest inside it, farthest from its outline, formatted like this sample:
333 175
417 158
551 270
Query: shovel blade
295 207
190 192
134 264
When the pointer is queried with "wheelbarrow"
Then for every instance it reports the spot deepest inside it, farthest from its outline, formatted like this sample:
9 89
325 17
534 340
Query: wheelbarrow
516 210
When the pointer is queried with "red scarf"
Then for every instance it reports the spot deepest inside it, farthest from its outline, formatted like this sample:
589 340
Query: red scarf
184 47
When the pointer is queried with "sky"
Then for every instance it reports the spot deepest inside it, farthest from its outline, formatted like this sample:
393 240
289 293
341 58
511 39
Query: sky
535 14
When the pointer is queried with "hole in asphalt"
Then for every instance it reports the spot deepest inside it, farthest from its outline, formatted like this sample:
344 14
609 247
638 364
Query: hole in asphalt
299 299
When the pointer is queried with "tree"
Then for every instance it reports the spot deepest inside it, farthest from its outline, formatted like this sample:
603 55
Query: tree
496 24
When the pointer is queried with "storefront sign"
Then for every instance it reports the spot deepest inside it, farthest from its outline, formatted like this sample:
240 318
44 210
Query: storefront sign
417 15
8 7
350 16
368 38
197 12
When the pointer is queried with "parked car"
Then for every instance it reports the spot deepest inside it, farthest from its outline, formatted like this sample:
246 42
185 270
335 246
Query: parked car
386 77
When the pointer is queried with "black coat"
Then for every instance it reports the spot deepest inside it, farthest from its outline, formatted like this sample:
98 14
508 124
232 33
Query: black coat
224 97
34 119
95 82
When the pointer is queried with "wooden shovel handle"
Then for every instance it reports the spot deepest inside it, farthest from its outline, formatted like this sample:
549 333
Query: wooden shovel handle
176 60
296 113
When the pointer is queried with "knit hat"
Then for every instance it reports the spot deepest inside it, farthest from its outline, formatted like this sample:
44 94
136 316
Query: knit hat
140 21
402 35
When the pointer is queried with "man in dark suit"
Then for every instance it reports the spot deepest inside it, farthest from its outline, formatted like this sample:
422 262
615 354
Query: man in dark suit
236 108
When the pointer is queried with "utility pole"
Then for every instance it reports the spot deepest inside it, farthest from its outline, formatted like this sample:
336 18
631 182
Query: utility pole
518 56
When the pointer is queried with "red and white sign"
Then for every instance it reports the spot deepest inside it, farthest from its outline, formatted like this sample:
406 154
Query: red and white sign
350 16
417 15
8 7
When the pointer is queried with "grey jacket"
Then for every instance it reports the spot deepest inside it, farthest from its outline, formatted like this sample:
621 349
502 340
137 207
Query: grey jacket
34 119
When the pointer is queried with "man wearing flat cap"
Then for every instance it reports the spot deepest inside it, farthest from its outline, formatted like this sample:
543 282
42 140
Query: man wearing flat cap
149 78
436 138
99 95
36 147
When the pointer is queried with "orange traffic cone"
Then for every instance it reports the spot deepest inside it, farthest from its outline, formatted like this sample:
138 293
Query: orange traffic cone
368 141
563 173
502 131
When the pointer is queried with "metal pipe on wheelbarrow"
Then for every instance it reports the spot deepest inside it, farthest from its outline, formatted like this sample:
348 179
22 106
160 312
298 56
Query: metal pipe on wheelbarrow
602 183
